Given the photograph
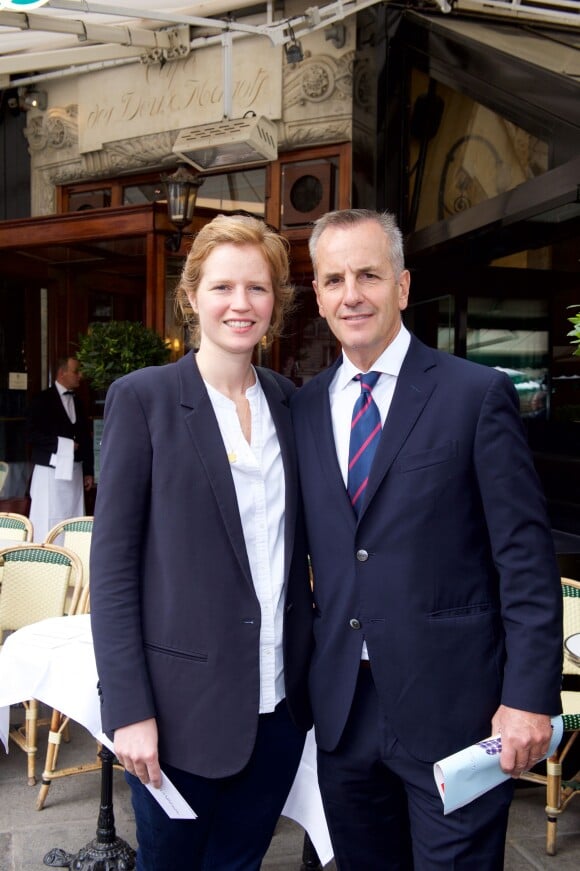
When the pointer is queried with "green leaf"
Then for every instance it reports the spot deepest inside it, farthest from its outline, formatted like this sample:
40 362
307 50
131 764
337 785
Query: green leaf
115 348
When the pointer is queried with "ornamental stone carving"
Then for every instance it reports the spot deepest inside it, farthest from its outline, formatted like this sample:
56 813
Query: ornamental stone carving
317 101
318 79
57 128
317 132
126 155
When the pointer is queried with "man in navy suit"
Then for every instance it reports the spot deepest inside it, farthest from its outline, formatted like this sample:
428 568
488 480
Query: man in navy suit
59 434
438 604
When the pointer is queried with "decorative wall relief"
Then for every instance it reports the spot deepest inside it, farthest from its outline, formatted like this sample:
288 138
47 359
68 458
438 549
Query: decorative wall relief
55 128
317 100
126 155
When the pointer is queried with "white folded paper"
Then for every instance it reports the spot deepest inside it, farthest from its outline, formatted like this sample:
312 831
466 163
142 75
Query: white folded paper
464 776
167 795
63 460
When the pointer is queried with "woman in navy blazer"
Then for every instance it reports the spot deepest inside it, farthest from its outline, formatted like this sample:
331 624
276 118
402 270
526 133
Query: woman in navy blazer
200 600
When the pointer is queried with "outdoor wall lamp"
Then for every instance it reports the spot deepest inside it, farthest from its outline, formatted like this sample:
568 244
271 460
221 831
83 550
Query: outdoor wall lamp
293 49
181 188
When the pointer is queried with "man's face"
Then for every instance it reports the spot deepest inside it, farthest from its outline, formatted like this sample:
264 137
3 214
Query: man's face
69 376
357 291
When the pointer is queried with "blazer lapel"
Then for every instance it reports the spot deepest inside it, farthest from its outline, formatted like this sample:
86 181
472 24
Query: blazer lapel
322 435
415 385
206 437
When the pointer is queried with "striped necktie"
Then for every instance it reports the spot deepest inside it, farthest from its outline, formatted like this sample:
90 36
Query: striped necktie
365 431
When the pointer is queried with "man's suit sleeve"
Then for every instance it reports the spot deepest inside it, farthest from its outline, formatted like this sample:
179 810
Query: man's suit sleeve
523 552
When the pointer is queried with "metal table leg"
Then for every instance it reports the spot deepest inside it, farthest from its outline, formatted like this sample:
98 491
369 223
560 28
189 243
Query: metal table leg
106 852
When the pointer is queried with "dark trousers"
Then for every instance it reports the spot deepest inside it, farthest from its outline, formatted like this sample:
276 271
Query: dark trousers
236 816
383 809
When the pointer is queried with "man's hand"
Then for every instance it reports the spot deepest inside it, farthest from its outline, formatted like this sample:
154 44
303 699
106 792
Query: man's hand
136 749
525 738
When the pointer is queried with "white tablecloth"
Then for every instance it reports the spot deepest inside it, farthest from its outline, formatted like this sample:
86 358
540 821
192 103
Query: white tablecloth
53 661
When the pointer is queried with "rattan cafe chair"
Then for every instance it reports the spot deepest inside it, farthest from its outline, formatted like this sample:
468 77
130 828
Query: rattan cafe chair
15 527
559 791
35 583
58 732
75 534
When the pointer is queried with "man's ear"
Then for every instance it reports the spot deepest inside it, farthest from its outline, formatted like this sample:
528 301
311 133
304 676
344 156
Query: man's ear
404 285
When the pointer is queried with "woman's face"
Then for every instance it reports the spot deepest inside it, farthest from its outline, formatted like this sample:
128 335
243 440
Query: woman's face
234 299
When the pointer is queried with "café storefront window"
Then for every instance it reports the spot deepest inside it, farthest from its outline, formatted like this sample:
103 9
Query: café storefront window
512 335
226 191
461 153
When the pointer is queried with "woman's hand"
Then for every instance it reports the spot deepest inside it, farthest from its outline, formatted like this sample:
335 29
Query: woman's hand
136 749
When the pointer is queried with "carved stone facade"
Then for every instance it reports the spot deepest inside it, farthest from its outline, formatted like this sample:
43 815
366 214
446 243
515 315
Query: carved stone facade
77 138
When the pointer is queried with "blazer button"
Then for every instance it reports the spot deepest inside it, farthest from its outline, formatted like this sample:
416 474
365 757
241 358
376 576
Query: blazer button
354 623
362 555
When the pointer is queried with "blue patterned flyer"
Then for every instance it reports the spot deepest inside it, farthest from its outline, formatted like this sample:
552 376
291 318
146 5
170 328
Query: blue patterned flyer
464 776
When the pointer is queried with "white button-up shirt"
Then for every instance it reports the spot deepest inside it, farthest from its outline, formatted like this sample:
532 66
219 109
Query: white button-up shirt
67 400
258 475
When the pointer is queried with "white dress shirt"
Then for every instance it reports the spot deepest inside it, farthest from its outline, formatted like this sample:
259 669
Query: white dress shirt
344 392
67 400
258 474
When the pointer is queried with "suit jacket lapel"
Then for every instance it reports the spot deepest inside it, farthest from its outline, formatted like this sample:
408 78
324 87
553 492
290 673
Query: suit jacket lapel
322 435
206 437
415 385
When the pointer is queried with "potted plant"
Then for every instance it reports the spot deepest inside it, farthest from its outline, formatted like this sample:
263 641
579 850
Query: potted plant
575 332
111 349
114 348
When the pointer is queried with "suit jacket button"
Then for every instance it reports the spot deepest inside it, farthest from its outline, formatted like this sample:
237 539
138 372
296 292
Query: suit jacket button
362 555
354 623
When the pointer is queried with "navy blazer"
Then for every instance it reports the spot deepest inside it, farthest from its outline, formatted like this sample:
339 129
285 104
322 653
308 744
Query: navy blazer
47 420
175 617
449 575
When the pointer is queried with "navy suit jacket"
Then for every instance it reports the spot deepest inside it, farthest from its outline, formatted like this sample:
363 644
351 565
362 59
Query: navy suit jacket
175 617
449 574
47 420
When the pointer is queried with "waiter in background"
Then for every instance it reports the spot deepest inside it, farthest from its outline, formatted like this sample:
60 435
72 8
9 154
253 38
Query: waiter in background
58 431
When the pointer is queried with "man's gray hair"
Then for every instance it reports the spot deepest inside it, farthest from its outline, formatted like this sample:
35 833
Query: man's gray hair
351 217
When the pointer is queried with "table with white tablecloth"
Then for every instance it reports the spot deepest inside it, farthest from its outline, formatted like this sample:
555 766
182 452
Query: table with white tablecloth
53 661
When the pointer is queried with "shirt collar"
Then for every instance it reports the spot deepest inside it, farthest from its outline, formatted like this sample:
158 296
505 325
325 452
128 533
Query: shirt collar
389 362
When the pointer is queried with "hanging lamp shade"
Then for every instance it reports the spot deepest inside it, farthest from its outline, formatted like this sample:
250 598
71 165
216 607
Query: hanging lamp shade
181 188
